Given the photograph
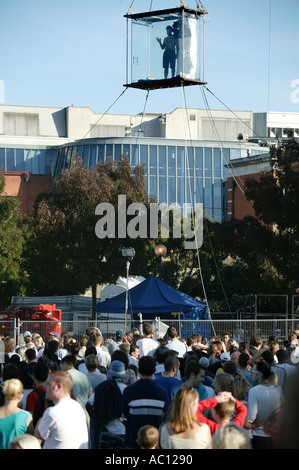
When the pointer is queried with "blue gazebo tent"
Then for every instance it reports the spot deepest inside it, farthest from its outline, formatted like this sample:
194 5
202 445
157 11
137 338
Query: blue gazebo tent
153 297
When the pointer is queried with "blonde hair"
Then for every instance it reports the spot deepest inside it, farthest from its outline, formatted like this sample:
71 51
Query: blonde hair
181 415
25 441
231 436
147 437
12 389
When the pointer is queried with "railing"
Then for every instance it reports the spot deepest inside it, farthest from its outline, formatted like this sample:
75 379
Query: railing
240 329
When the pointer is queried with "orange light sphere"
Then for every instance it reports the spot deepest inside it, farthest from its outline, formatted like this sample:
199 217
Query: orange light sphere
160 250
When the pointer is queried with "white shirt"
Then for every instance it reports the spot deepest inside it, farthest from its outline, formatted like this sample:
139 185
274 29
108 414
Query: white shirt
64 426
261 402
177 345
147 346
103 357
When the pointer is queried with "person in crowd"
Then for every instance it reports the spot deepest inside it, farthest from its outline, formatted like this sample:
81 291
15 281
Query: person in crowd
160 355
130 376
168 380
231 436
282 357
262 400
24 441
64 425
81 366
147 345
13 420
144 402
134 355
214 358
35 402
82 387
243 369
255 345
83 343
148 437
182 430
174 343
103 356
194 376
224 382
225 337
105 408
93 374
119 339
225 408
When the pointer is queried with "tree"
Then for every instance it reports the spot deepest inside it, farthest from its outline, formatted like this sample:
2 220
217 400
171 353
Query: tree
269 242
68 255
11 245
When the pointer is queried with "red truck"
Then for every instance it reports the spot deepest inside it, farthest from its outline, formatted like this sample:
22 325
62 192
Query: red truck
42 319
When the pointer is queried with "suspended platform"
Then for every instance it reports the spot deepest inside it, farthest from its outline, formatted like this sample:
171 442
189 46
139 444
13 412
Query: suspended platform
158 84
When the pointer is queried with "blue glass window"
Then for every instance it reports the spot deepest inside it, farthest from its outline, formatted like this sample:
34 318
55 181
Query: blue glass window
162 161
101 153
85 155
181 190
109 150
226 159
171 190
153 187
117 152
10 161
126 150
153 160
42 162
20 163
162 190
135 156
217 192
199 162
144 157
217 163
199 190
208 162
93 157
190 161
208 198
2 159
171 161
181 161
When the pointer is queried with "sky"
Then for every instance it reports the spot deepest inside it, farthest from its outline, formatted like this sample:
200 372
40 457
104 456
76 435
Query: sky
61 53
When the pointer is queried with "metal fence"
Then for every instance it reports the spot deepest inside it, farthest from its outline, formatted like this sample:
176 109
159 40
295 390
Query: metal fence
240 329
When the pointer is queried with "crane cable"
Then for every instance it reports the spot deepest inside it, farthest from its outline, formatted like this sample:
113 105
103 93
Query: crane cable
193 213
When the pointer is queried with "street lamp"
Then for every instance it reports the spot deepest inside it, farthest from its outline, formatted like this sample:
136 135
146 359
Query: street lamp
128 254
160 250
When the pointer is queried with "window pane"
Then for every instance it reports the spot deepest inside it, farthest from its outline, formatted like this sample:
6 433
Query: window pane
85 155
126 150
93 157
101 153
199 190
153 187
171 161
181 191
42 162
217 187
162 190
2 159
153 159
208 163
109 150
171 191
180 161
190 161
217 163
198 162
208 194
135 156
20 163
144 157
162 161
10 164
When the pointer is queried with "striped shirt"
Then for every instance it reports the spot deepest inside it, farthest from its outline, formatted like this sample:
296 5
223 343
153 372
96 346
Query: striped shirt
144 402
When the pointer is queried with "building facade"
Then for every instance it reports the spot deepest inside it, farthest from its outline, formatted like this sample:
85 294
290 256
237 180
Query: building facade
189 156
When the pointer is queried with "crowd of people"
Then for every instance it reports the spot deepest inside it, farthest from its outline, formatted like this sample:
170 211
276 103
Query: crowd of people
133 391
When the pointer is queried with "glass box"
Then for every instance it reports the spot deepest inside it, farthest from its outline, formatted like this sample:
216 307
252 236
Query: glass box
165 48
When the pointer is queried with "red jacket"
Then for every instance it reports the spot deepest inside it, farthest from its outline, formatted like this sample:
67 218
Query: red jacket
239 419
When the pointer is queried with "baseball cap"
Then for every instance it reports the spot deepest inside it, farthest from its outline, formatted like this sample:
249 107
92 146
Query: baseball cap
225 357
26 333
54 333
119 334
204 361
117 369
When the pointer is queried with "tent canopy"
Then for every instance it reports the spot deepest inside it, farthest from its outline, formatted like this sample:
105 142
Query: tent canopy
152 296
